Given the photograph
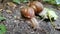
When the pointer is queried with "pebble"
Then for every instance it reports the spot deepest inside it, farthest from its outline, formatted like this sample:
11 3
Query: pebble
15 20
32 32
16 17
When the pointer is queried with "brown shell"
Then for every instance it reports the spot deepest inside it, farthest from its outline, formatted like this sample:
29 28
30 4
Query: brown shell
38 7
28 12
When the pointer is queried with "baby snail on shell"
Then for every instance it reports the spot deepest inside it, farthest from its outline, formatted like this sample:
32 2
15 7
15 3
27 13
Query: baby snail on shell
37 6
28 12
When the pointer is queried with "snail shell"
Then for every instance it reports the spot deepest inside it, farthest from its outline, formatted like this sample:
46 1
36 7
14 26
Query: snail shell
37 6
27 12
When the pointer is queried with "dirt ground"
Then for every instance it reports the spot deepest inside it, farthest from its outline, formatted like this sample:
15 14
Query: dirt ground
16 24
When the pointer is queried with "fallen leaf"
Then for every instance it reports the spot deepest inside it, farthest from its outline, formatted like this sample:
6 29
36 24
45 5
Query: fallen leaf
8 11
11 4
1 6
58 8
1 9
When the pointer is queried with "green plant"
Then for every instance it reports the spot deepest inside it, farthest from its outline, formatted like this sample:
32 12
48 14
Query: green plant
1 17
2 29
51 14
54 2
20 1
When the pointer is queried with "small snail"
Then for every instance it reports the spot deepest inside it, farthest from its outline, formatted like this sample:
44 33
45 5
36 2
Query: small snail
37 6
28 12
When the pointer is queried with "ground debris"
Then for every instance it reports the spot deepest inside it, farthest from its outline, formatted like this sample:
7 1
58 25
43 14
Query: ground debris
11 4
9 11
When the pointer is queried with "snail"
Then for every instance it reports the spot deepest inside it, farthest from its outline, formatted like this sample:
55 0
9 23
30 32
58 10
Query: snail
29 13
37 6
43 12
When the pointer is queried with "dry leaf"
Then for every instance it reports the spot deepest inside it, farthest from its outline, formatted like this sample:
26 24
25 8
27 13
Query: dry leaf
58 8
8 11
1 9
11 4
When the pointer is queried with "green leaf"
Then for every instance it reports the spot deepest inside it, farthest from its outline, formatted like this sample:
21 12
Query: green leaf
52 14
20 1
46 0
1 32
52 23
2 18
16 1
2 28
51 1
58 1
25 0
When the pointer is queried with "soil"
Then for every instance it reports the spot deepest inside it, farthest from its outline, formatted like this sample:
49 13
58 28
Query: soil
17 24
